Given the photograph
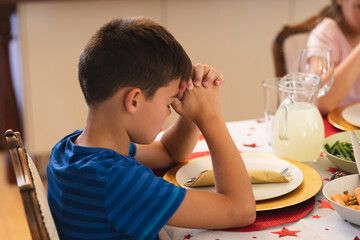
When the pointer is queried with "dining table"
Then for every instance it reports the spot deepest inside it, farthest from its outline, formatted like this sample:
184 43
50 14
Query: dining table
313 218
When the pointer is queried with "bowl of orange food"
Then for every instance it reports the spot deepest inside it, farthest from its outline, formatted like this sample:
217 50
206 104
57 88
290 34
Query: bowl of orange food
343 195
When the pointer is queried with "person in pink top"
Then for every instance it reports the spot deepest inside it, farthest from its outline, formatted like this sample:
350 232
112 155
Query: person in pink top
342 35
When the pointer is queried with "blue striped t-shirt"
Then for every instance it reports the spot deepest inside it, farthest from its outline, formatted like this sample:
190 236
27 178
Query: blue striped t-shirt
97 193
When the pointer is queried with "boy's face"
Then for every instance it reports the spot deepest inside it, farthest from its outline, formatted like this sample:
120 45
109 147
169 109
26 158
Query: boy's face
155 110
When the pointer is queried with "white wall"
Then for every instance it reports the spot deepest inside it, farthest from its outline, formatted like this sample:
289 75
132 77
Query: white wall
235 36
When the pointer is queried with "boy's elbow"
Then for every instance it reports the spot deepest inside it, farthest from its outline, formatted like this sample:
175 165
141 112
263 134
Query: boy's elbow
250 216
245 215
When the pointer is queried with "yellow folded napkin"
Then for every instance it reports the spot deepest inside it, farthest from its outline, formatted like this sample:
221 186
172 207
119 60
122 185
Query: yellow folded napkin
206 178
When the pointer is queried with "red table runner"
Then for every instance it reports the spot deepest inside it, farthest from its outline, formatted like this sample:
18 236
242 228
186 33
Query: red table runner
271 218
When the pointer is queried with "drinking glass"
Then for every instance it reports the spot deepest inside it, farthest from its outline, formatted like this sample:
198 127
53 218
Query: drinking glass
271 103
319 61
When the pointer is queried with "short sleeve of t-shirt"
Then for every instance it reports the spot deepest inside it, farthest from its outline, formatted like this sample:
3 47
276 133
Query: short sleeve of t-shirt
328 34
138 203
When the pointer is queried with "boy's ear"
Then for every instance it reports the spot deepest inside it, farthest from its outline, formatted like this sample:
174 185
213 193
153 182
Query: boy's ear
131 100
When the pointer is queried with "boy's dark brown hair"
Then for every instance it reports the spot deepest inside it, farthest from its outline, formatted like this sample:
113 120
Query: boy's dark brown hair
136 52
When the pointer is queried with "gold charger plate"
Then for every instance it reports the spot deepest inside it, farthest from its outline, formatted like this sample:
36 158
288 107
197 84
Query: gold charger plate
310 186
335 118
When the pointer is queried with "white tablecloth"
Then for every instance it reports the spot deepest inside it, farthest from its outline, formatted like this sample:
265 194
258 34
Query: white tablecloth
320 223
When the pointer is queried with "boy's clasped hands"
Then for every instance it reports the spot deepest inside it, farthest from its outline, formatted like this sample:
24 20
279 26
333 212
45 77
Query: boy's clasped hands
200 94
203 75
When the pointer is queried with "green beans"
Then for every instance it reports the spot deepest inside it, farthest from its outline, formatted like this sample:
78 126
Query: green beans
342 150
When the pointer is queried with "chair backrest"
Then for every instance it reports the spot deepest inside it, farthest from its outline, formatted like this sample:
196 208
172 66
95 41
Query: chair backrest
291 39
32 190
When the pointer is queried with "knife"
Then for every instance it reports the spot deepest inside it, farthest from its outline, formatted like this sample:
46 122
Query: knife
356 149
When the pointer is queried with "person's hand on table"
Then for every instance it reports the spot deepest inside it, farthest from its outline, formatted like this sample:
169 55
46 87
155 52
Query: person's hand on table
201 74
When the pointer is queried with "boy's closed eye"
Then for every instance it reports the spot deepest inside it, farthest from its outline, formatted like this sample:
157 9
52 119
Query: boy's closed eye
171 100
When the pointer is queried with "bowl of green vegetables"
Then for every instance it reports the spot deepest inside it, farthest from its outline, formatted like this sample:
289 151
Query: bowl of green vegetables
338 149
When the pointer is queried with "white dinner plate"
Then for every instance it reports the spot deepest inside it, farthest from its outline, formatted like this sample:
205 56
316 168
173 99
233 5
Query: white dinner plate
352 114
252 161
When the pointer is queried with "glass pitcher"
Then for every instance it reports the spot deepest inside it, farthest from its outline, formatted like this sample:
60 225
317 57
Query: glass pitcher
298 128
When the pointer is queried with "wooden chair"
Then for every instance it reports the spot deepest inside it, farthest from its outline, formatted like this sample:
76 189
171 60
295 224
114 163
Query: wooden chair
32 190
290 40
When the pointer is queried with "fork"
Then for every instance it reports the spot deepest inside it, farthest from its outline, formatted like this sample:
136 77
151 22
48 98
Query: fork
285 172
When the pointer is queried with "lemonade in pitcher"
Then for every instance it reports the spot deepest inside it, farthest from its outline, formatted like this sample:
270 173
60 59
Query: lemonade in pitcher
305 132
298 128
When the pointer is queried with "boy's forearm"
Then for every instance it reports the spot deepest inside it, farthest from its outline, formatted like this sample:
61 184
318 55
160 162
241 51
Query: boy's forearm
180 139
229 169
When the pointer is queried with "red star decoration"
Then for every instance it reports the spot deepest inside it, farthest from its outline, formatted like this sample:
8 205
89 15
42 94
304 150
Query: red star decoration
316 216
253 145
333 170
325 204
327 179
201 137
356 238
187 236
286 232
